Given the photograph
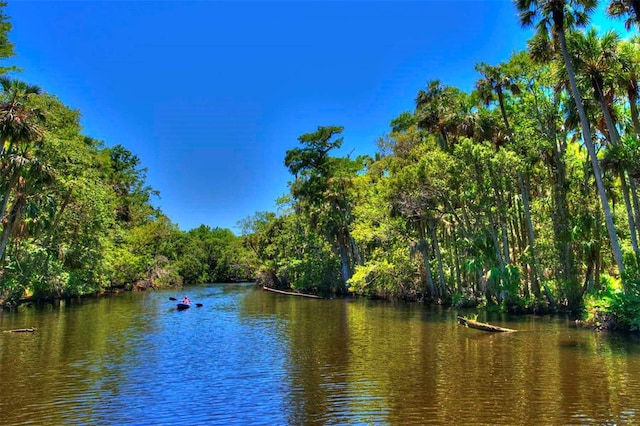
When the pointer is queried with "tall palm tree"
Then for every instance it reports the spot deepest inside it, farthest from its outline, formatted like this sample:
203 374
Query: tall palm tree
596 62
595 59
629 9
555 17
495 81
628 76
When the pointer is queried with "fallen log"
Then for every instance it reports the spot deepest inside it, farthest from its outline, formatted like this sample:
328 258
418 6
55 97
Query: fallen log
482 325
291 293
21 330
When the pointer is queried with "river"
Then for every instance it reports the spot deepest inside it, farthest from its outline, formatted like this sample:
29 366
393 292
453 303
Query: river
249 357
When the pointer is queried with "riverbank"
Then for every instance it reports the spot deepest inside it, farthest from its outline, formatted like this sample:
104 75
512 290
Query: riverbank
30 299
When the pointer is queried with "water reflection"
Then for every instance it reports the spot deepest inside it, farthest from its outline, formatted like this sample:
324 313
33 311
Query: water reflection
251 357
372 362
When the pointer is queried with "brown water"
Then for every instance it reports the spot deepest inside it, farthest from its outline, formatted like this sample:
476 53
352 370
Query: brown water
251 357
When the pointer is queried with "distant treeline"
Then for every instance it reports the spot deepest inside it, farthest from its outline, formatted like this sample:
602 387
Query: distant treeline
77 217
522 194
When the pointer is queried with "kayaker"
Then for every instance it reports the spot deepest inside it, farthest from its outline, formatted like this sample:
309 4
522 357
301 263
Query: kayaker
186 300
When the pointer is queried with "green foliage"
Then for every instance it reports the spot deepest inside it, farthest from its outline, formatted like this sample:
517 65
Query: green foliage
626 310
484 197
315 272
390 274
322 192
611 307
6 46
207 255
631 277
374 279
464 299
505 283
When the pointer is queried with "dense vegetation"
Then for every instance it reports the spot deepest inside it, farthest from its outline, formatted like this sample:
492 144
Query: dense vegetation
522 194
77 217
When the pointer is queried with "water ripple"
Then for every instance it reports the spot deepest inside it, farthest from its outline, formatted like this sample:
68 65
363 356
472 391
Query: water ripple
254 358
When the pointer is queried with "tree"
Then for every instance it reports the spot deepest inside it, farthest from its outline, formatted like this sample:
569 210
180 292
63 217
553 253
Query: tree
19 129
628 75
495 80
444 111
629 9
321 190
596 62
556 16
6 46
128 181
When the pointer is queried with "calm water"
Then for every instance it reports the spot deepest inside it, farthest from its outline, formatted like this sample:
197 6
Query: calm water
250 357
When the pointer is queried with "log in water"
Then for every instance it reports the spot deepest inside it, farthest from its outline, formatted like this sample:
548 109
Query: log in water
483 326
291 293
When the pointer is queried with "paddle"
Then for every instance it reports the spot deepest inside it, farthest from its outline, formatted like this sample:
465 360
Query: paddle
198 305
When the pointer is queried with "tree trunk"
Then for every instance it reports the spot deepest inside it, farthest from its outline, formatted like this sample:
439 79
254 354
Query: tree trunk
12 220
560 217
7 193
492 223
524 190
456 259
494 238
630 219
634 110
344 258
356 251
614 139
436 250
588 142
502 207
636 204
422 248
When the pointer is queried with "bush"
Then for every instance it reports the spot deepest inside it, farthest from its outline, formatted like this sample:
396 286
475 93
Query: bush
612 308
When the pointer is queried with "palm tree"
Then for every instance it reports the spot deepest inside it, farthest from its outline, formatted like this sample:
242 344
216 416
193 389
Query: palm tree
19 128
628 75
596 61
32 174
444 111
555 17
495 81
18 123
629 9
430 111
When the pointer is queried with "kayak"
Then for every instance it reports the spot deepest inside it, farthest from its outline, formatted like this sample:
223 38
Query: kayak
183 306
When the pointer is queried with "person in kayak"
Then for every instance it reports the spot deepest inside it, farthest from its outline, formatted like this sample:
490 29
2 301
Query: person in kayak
186 300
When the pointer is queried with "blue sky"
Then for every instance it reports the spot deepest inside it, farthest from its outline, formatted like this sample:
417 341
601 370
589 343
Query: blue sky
210 95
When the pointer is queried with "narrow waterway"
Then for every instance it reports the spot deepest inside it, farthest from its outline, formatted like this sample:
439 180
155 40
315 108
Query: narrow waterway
249 357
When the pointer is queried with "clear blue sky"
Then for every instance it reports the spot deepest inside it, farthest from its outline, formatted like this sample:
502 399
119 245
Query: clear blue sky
210 95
